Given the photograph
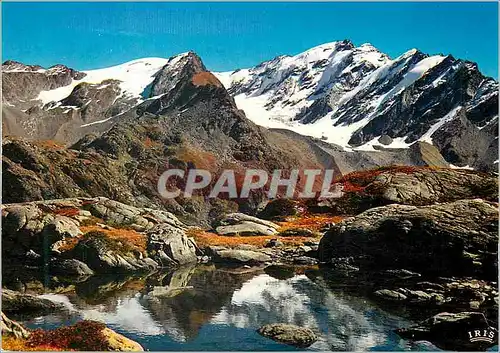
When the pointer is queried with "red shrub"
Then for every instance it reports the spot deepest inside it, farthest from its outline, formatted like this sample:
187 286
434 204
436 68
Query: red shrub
67 211
84 336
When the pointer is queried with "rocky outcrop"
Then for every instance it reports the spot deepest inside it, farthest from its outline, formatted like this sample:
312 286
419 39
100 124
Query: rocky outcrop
25 303
48 233
11 327
456 238
452 293
427 186
454 331
407 185
140 219
170 246
289 334
29 227
241 224
104 256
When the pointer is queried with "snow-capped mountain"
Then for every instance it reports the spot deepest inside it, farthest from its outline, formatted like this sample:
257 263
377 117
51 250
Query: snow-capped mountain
280 93
359 97
355 97
65 104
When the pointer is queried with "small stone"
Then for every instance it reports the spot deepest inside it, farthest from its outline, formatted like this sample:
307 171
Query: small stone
289 334
273 243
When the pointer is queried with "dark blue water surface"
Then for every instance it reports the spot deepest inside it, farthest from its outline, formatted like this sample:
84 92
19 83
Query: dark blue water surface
209 309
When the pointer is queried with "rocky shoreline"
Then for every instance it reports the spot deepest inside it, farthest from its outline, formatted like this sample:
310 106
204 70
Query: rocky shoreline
429 249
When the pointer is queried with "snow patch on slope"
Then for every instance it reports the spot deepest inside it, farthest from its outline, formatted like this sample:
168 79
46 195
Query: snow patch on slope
427 137
134 75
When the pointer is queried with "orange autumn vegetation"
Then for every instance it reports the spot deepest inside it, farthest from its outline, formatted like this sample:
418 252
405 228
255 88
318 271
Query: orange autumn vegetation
204 239
11 343
130 239
50 144
148 143
200 158
69 244
205 78
312 222
67 211
85 335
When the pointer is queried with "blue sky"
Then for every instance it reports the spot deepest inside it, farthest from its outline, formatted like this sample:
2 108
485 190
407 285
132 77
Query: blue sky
228 36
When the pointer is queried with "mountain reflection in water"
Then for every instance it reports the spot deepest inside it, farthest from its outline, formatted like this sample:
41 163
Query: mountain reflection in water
220 309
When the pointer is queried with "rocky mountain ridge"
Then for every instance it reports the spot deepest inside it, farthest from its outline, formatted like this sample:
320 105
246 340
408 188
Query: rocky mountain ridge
359 98
354 97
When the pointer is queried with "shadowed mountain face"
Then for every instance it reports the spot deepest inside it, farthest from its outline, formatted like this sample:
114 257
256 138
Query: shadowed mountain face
359 97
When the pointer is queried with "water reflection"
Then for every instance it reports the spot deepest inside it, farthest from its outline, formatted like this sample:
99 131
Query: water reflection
209 308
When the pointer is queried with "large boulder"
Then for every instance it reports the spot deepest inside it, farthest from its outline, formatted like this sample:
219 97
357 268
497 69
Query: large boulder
106 255
407 185
456 238
31 227
242 224
289 334
41 224
454 331
427 186
170 246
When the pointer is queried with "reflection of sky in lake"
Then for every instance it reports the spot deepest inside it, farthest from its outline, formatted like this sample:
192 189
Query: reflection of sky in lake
180 322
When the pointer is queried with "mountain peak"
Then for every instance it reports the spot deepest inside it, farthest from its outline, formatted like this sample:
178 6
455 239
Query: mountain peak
16 66
367 47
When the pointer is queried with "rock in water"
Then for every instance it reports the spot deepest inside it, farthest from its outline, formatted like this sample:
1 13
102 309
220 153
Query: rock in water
454 331
13 301
289 334
388 294
118 342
